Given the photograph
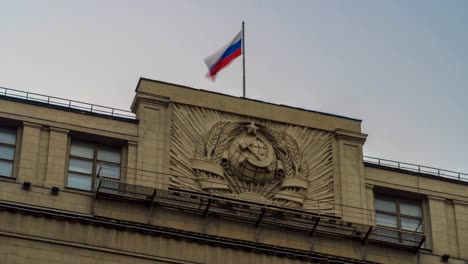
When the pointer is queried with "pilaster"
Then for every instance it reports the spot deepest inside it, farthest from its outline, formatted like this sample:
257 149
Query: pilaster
56 160
152 162
132 154
351 175
461 216
369 217
29 154
439 230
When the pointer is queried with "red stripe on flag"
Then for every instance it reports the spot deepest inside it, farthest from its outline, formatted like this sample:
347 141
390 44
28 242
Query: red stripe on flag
224 62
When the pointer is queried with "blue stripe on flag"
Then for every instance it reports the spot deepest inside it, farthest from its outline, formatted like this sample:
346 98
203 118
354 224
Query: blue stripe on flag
231 50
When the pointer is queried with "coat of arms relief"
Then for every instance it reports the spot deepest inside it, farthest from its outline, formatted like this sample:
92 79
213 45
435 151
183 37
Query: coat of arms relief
257 160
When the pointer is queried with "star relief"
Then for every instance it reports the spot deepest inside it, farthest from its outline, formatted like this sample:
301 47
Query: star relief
251 129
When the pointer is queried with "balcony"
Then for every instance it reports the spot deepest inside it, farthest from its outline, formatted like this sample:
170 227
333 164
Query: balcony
258 214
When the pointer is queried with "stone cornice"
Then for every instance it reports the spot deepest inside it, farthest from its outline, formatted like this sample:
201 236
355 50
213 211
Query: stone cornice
133 143
32 125
142 97
350 136
247 107
59 130
435 198
462 203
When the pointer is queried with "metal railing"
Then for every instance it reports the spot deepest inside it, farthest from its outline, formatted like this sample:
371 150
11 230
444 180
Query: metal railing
417 168
61 102
258 214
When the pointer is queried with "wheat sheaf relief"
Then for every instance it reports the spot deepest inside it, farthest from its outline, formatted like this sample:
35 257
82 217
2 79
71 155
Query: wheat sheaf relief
243 157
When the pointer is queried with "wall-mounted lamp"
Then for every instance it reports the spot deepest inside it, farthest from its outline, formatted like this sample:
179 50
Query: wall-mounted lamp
445 258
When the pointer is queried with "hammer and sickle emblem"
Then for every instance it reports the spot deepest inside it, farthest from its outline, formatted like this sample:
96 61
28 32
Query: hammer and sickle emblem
261 160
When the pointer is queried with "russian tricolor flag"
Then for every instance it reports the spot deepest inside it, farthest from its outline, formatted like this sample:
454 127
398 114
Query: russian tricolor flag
224 56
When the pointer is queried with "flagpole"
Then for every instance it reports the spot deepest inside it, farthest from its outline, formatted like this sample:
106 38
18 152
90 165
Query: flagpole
243 58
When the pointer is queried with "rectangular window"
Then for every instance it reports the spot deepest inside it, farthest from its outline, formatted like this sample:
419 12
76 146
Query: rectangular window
7 151
88 161
399 213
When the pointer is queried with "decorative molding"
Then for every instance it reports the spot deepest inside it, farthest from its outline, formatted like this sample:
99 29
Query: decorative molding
254 159
142 97
132 143
462 203
436 198
33 125
350 135
59 130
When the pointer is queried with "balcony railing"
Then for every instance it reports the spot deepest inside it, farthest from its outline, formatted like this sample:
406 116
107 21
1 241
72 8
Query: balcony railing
258 214
66 103
417 168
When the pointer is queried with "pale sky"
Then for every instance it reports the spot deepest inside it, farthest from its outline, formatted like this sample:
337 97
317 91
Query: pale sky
400 66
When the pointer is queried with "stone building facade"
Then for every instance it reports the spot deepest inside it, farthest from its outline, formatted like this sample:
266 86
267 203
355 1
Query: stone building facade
191 176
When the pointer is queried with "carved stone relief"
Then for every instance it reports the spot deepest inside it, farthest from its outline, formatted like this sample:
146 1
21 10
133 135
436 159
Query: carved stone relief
258 160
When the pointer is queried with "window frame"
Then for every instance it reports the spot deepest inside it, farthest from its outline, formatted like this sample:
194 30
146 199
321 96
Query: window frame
397 200
15 151
95 162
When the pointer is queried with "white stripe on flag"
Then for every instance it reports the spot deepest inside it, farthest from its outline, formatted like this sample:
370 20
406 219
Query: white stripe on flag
214 58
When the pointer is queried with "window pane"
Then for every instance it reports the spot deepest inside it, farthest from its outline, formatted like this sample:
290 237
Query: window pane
82 166
385 204
411 224
81 149
7 136
7 153
108 170
79 181
408 208
109 154
6 168
386 220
